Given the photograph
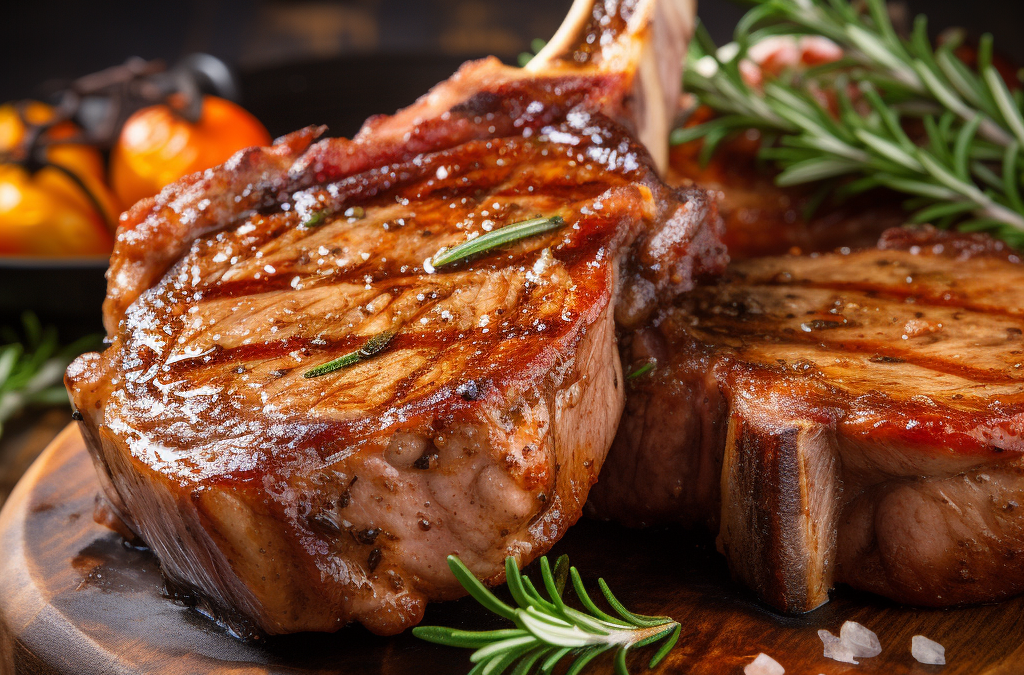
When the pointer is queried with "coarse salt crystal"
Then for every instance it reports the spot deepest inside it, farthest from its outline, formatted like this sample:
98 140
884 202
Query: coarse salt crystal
927 651
835 648
763 665
860 640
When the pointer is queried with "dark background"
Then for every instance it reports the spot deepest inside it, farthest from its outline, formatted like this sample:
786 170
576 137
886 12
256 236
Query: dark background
54 40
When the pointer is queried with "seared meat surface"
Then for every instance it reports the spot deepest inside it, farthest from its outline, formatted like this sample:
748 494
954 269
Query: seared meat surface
303 502
762 218
836 418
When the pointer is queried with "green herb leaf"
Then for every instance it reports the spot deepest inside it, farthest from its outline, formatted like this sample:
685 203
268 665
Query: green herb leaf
642 370
32 366
974 124
548 630
373 346
315 219
494 239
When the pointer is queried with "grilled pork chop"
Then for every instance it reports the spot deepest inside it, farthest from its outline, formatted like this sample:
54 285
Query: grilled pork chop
847 418
477 399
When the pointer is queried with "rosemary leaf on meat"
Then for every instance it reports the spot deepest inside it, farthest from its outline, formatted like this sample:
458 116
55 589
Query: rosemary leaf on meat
373 346
32 366
494 239
315 219
965 170
641 371
547 629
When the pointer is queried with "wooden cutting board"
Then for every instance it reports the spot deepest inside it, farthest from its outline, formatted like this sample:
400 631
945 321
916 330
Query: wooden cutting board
74 599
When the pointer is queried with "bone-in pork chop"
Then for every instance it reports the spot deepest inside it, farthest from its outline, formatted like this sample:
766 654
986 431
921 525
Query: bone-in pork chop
836 418
303 411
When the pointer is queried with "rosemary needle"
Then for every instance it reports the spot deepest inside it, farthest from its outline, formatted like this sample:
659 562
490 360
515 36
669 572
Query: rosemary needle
641 371
547 629
494 239
373 346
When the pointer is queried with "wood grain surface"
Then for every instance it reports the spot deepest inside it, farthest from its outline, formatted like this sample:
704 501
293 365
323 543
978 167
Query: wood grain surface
75 599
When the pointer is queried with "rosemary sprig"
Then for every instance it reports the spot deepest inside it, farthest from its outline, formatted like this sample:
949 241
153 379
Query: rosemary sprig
32 366
372 347
968 169
547 629
494 239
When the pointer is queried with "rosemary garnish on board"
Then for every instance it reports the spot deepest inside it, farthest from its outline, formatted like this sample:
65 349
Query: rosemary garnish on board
493 239
966 170
547 629
32 366
372 347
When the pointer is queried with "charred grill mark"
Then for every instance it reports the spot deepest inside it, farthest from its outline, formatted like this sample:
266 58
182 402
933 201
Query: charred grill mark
265 351
918 293
882 352
405 385
373 271
724 317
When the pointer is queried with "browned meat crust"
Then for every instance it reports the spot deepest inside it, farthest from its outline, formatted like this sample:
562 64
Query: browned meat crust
851 418
763 219
303 503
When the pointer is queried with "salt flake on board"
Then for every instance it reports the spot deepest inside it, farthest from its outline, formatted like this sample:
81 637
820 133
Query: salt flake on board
763 665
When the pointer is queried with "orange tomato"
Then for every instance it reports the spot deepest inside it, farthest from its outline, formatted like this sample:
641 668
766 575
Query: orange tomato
47 215
48 212
157 146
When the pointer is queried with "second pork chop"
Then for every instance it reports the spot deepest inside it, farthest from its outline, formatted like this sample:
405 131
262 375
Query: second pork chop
847 418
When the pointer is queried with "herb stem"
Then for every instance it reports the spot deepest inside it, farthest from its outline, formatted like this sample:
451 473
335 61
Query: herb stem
372 347
494 239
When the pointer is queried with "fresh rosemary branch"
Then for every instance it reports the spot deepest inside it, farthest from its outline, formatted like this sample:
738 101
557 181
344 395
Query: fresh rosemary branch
32 367
547 629
967 170
494 239
373 346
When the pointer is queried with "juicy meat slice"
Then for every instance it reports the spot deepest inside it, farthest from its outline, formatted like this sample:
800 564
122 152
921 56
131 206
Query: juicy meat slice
303 502
837 418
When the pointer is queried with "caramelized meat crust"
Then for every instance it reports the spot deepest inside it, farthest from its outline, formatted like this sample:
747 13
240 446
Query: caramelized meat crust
301 502
840 418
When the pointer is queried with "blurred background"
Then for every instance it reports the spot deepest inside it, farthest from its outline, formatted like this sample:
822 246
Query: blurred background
295 62
300 48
